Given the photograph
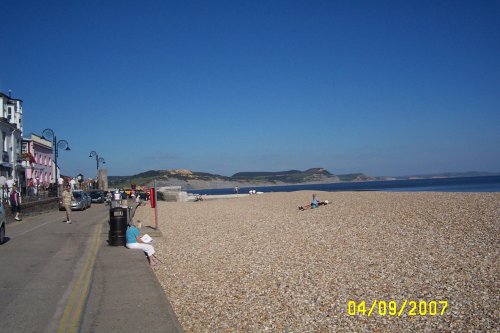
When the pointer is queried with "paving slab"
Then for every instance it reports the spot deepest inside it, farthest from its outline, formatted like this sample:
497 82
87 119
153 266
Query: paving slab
125 295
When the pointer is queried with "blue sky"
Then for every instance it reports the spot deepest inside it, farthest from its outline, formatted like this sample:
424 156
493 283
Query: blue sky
380 87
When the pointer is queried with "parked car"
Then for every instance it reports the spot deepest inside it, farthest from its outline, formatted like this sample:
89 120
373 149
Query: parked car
2 223
143 195
88 199
82 201
97 196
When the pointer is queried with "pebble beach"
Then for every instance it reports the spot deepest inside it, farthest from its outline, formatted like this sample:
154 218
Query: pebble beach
259 264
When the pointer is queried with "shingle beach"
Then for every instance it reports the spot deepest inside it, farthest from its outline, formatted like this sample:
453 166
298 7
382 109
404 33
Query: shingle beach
258 264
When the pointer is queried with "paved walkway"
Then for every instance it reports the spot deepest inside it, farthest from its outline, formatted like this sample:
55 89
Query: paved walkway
66 278
126 296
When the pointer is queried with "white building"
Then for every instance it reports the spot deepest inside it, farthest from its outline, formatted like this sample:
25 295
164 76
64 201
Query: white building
11 133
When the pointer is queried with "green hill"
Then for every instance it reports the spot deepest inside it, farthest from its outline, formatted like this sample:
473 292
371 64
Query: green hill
354 177
182 175
197 180
290 176
147 178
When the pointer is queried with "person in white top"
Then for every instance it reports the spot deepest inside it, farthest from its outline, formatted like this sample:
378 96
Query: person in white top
3 181
72 182
36 182
60 184
10 182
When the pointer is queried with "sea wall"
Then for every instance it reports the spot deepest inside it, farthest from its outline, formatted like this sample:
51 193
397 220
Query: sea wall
33 208
171 194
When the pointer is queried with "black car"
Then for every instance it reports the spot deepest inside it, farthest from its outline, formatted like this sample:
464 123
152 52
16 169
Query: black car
97 196
143 195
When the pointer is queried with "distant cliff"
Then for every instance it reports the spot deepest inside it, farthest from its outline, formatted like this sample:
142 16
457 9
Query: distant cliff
190 180
290 177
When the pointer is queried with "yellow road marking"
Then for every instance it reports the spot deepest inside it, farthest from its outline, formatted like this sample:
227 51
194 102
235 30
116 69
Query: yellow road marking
79 290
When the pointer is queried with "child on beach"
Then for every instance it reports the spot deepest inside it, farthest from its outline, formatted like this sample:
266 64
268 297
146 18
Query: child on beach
315 203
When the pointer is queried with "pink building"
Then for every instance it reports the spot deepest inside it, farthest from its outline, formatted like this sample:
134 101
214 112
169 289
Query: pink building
37 159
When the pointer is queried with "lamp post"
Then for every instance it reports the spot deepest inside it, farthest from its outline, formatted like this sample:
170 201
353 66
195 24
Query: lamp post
97 160
14 154
61 144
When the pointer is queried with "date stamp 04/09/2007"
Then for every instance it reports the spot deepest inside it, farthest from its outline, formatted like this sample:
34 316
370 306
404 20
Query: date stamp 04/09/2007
393 308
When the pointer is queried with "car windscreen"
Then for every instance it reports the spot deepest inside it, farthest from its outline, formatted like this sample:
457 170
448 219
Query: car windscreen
77 195
95 195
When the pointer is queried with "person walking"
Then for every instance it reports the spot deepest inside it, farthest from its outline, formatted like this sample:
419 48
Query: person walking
15 203
10 183
72 182
31 187
3 186
60 184
67 197
37 185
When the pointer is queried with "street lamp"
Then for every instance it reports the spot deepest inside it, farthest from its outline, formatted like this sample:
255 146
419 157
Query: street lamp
97 159
14 151
48 134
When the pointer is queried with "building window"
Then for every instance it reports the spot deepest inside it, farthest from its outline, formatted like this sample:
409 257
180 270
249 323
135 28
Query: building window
4 135
24 148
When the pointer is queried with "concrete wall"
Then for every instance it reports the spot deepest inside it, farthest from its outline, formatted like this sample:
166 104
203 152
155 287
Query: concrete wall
171 194
33 208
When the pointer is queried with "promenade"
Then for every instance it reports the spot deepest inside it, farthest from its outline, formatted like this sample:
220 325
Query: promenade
66 278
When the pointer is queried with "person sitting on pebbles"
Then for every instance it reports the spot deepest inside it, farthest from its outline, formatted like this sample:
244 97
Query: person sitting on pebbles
315 203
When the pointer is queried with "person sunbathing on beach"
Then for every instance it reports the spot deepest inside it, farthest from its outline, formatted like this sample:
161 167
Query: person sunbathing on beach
315 203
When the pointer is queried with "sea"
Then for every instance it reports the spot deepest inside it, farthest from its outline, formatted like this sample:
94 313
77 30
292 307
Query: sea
458 184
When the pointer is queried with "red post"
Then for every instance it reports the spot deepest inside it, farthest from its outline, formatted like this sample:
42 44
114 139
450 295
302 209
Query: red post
152 197
152 200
